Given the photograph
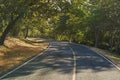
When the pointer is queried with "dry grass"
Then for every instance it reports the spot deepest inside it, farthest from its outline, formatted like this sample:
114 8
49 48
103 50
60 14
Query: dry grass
15 51
112 56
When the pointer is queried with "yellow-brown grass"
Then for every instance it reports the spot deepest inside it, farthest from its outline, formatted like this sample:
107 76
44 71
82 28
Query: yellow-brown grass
15 51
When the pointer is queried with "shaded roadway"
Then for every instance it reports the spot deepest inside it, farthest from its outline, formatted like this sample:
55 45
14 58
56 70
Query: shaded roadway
57 64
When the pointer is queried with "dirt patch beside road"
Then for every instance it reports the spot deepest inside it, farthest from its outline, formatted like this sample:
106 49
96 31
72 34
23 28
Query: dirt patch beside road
16 51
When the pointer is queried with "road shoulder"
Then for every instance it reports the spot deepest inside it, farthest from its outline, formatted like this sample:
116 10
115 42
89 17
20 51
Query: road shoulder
26 50
111 56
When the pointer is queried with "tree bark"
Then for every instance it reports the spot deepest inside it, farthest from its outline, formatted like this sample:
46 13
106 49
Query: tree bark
7 30
118 42
96 38
26 33
111 40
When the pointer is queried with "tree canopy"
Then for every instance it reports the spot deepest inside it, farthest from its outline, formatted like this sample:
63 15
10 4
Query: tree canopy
92 22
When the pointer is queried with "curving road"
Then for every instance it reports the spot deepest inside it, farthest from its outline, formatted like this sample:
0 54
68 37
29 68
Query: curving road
65 61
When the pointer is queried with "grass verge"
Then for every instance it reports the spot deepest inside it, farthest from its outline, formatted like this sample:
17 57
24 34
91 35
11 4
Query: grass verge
112 56
16 51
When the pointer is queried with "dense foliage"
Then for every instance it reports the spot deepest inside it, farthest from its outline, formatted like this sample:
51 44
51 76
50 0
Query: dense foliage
92 22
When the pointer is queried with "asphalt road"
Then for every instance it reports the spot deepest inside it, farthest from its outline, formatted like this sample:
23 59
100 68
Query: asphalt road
64 61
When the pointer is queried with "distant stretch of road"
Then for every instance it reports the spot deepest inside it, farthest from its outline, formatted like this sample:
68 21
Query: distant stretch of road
65 61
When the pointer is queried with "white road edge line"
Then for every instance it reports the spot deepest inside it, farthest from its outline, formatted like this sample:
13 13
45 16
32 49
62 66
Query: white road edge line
107 60
74 66
24 63
102 56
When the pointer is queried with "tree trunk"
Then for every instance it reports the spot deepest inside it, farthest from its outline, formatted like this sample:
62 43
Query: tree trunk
26 33
70 38
7 30
96 38
118 42
111 40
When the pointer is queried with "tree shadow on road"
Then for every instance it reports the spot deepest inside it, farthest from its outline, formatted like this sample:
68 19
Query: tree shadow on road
59 58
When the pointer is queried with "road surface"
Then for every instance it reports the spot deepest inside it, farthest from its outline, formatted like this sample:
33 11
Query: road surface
65 61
